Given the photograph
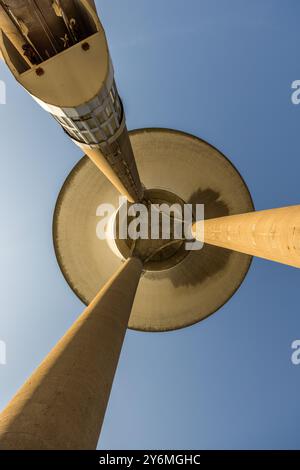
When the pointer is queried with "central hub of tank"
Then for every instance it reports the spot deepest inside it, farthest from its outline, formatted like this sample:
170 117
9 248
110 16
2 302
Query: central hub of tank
155 230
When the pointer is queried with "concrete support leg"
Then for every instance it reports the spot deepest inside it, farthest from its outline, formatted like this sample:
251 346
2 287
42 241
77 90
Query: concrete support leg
62 405
121 171
271 234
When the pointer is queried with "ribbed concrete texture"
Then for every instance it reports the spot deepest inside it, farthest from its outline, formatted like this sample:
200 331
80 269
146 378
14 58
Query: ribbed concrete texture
272 234
62 405
122 171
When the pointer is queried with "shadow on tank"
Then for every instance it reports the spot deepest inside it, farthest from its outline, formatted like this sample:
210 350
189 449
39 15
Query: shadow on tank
203 264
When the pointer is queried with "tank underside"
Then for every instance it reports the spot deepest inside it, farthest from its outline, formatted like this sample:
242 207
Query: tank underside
180 293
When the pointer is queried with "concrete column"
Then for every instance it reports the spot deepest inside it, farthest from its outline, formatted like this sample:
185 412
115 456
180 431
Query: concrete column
62 405
121 171
271 234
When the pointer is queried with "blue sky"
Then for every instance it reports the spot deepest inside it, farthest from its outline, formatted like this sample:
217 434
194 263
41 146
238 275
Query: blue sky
222 70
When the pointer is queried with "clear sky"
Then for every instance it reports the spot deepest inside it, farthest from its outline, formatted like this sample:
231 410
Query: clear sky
222 70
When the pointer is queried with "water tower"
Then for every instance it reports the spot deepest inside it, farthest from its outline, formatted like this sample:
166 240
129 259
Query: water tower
57 50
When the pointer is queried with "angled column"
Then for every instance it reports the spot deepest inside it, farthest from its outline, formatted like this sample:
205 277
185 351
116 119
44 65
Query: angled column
62 405
69 72
271 234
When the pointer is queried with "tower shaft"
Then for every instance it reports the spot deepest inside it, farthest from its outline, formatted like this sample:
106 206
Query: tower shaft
57 50
272 234
62 405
